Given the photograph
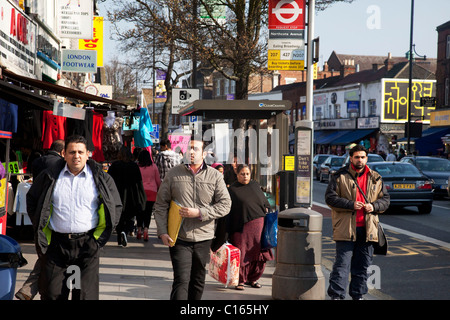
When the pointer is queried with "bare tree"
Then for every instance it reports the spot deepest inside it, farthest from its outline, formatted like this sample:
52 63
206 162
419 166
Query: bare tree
121 77
233 43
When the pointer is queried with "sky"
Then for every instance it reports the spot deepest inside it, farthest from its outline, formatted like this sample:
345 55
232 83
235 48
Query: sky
364 27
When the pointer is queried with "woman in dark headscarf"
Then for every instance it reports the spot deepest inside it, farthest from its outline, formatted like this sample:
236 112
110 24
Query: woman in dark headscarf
246 222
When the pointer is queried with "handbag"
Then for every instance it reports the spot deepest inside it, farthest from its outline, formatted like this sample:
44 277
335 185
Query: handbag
381 246
269 234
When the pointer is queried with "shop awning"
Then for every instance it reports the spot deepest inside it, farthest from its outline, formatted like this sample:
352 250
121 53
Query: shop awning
320 134
16 83
425 133
431 140
352 136
332 135
236 109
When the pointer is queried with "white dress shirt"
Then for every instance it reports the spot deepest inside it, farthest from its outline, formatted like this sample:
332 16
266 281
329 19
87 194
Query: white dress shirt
75 202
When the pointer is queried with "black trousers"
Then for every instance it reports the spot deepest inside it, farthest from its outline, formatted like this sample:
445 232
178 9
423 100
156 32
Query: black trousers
189 261
70 264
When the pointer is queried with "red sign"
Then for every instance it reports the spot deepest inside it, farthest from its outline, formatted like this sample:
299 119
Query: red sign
286 14
19 27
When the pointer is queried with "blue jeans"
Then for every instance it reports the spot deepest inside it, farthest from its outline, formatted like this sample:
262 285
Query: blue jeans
355 257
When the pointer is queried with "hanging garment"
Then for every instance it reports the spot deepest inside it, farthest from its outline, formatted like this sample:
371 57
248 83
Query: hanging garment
20 204
142 136
97 137
112 139
82 128
53 128
8 116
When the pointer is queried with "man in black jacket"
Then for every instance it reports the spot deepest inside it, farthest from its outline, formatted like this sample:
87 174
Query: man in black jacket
74 207
50 159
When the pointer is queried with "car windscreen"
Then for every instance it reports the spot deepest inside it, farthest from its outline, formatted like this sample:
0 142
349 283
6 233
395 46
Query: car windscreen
436 165
335 162
374 158
396 170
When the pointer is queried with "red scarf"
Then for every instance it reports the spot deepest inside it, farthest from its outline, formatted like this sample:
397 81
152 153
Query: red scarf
362 182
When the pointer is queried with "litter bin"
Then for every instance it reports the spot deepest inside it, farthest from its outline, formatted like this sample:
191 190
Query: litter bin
10 259
298 272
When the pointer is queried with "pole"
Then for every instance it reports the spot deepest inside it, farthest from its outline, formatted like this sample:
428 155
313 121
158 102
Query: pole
153 76
410 76
310 65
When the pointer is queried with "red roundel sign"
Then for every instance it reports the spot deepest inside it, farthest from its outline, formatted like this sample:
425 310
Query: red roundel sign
286 14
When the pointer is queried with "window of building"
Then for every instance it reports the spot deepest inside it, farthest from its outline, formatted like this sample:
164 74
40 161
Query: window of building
218 87
372 107
447 91
447 50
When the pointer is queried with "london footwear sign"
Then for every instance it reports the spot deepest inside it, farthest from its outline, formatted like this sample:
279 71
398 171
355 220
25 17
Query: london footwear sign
79 61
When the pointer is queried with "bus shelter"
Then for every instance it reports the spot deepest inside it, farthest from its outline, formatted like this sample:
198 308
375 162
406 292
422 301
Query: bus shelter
265 141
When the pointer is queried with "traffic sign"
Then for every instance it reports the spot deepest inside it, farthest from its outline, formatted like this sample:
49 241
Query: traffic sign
286 14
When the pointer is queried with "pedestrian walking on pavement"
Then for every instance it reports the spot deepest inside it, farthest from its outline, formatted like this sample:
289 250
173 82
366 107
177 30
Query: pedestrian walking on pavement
74 207
151 182
166 159
246 222
355 222
30 287
128 179
203 196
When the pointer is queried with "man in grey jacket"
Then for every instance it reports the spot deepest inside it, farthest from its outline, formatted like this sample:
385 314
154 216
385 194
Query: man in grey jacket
203 196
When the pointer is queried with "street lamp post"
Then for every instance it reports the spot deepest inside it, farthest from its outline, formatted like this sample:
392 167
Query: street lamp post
410 76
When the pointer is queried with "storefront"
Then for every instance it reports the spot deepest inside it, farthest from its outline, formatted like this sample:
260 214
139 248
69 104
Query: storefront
28 126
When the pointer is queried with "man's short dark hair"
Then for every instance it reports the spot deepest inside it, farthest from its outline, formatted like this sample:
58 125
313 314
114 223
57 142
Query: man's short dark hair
57 145
75 139
357 148
166 143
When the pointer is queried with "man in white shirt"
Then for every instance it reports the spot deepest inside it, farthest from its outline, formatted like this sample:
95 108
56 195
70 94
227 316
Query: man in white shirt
74 206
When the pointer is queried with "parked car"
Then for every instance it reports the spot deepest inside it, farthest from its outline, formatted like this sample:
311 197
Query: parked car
330 166
317 161
406 185
371 157
437 169
448 186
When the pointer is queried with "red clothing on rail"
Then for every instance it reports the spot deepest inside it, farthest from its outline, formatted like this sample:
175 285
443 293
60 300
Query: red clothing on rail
53 128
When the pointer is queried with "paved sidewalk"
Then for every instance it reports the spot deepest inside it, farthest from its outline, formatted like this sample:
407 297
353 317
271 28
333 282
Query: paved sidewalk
143 271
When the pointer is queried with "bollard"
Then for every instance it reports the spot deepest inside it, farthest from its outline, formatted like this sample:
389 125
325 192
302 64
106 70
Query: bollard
298 272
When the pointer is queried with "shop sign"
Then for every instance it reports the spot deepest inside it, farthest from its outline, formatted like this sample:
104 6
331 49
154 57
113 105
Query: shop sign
79 61
395 100
440 118
74 19
369 123
17 41
96 43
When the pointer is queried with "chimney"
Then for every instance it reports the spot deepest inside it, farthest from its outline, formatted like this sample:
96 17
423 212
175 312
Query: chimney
347 68
389 63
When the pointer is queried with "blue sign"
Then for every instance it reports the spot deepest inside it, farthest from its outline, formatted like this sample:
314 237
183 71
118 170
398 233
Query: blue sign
155 133
352 106
192 118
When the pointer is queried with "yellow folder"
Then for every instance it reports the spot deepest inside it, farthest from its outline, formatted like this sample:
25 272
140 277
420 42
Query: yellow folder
174 221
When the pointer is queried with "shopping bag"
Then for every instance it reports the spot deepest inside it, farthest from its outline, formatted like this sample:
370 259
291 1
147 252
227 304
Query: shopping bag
224 264
270 231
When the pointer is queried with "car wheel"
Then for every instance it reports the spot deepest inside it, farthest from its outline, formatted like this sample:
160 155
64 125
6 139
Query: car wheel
425 208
